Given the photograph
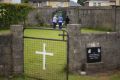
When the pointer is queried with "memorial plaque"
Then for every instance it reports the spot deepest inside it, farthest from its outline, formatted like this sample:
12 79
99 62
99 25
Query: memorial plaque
93 54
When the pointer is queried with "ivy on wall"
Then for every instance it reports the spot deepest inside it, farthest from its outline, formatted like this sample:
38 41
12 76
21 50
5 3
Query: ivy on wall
13 13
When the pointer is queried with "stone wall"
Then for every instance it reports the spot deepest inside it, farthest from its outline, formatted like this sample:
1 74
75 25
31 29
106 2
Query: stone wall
117 16
46 15
11 52
17 49
5 54
97 17
105 17
79 42
12 58
102 17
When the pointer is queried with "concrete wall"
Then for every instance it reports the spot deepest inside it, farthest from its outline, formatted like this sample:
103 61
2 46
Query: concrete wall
97 17
102 17
12 59
79 42
117 16
5 54
11 52
105 17
17 49
46 16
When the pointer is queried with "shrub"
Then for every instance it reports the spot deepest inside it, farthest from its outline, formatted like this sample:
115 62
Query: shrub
13 13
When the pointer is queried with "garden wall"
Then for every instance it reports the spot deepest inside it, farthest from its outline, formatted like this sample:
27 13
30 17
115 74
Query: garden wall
5 54
12 59
79 43
11 52
97 17
105 17
47 14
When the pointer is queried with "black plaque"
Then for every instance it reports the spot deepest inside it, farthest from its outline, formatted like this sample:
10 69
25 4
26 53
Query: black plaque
93 54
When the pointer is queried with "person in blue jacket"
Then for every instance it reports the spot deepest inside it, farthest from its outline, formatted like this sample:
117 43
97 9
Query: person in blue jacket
60 21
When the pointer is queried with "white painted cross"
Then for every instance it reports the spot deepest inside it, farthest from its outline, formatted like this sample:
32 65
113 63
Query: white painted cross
44 53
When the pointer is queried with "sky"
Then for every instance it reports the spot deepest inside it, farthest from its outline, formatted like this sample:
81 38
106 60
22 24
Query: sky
74 0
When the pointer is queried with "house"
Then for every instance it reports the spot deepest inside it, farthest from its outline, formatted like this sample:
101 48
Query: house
49 3
74 4
118 2
10 1
100 2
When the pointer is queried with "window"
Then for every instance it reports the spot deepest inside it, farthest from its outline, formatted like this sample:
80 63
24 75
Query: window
94 3
99 4
60 4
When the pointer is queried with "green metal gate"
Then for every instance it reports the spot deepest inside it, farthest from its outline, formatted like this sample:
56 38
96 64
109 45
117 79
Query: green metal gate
45 54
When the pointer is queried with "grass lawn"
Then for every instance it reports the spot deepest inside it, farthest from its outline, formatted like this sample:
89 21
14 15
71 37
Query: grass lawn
4 31
55 65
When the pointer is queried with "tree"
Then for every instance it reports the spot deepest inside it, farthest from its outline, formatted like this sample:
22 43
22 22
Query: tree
81 2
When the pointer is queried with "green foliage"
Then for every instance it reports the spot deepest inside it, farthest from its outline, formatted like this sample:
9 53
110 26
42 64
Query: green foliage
81 2
13 13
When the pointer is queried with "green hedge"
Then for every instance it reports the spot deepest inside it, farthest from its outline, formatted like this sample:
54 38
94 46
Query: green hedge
13 13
